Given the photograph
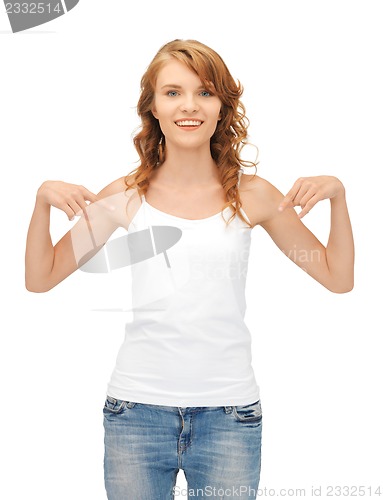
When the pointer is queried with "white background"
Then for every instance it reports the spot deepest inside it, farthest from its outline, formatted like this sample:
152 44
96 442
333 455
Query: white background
68 90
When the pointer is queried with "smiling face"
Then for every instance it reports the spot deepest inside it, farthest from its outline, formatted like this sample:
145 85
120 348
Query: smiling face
187 112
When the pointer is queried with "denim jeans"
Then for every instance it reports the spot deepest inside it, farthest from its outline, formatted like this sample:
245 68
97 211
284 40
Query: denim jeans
218 448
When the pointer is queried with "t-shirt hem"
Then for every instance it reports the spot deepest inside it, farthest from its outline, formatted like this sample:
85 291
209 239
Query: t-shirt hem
186 402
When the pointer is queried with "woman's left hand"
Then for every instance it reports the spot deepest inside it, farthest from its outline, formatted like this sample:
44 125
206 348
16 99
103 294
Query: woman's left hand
307 191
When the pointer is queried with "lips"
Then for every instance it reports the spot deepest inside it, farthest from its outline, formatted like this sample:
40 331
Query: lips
188 123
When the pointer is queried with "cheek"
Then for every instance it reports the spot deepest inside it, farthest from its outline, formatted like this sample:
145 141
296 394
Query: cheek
164 110
158 106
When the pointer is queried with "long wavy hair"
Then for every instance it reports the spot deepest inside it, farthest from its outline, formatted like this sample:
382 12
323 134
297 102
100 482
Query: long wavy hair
229 137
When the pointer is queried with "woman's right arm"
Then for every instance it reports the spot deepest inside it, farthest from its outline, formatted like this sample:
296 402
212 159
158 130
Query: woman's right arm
46 265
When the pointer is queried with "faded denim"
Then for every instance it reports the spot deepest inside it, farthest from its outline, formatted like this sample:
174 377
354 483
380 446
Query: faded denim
218 448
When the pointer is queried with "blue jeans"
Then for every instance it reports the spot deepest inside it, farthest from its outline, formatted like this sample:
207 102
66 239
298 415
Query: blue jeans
218 448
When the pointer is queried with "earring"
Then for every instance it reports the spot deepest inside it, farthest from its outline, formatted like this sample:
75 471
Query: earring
160 152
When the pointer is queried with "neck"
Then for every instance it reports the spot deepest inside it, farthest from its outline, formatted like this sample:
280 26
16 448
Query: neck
188 168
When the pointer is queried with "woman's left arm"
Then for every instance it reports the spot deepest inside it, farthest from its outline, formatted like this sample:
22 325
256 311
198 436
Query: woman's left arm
333 265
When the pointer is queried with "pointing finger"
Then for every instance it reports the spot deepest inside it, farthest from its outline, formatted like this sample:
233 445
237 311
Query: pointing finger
88 195
288 199
308 206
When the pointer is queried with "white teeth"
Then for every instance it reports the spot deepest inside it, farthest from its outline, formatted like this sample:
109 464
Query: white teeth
189 123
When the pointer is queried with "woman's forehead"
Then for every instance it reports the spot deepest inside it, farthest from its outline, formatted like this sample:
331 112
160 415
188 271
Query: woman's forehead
177 74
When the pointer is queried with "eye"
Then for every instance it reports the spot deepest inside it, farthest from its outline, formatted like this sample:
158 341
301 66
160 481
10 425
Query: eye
205 93
171 93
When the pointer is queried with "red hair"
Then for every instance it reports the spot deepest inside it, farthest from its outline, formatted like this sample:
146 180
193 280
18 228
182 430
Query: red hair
230 135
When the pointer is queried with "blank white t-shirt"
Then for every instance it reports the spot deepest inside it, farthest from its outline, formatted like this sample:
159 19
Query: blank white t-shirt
188 343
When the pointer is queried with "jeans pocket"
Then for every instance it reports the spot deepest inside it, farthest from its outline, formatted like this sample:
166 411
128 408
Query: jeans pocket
113 405
248 413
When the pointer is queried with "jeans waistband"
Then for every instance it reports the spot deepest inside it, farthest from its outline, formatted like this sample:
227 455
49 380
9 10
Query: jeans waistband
178 409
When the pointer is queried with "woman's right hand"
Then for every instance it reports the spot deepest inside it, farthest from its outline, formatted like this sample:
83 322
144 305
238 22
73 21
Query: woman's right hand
70 198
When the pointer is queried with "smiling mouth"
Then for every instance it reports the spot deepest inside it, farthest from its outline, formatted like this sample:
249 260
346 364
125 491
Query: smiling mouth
188 123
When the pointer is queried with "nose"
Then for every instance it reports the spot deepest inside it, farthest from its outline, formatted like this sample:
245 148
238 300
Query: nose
189 104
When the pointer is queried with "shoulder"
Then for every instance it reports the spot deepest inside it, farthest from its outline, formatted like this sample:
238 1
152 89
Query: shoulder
118 201
258 185
260 199
115 187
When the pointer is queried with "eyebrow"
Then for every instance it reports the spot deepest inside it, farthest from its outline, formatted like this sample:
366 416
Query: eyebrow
175 86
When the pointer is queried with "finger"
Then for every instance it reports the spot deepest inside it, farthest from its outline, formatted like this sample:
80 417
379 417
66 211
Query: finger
96 210
74 206
81 197
69 212
288 200
80 205
307 197
88 195
308 206
292 200
78 200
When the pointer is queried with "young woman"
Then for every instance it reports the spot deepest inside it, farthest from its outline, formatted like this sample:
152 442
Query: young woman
183 393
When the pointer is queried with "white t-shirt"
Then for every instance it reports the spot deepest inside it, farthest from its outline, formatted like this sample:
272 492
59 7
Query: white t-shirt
188 344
